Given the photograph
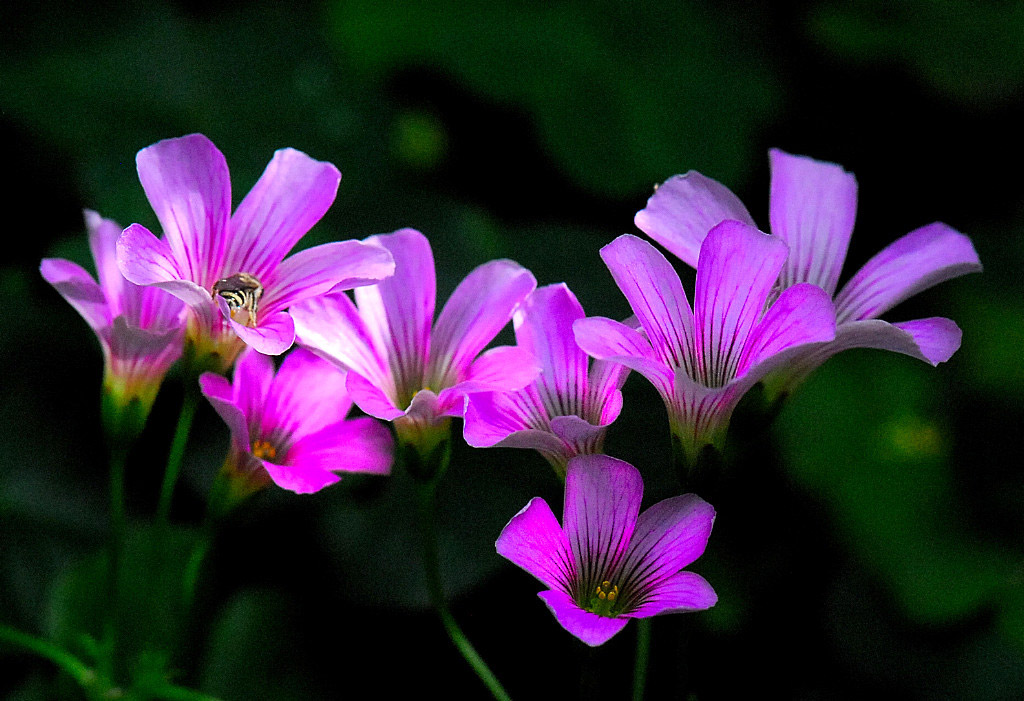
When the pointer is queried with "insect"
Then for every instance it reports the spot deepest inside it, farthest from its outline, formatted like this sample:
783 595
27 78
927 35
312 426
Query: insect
242 292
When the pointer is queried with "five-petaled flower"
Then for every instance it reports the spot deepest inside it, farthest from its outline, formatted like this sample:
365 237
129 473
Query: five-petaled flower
702 361
211 258
605 564
566 410
812 208
290 427
405 369
140 330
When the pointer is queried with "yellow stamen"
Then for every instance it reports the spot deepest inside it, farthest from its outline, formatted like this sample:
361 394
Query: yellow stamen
264 450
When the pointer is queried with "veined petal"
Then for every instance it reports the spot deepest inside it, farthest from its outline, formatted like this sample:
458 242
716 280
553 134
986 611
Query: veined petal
144 259
187 183
656 295
738 267
602 500
613 341
155 349
533 540
580 435
301 479
679 593
501 369
253 376
353 445
813 206
103 237
307 394
668 537
932 340
293 193
924 257
221 396
273 336
592 629
604 395
543 325
370 398
341 265
802 314
684 209
492 417
79 289
478 309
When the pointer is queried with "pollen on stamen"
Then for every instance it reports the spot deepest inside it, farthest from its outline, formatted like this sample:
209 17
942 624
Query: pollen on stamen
264 450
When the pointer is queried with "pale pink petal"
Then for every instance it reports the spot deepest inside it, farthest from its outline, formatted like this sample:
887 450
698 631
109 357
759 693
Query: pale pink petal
813 205
533 540
680 593
355 445
187 183
253 376
307 394
602 499
613 341
79 289
478 309
370 398
802 314
302 479
293 193
581 436
273 336
508 420
151 351
501 369
915 262
332 327
656 295
103 236
592 629
684 209
221 396
738 266
604 396
144 259
932 340
315 271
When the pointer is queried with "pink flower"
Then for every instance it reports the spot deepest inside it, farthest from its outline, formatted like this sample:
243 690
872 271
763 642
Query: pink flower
290 427
401 366
566 410
702 361
140 330
605 564
210 258
812 208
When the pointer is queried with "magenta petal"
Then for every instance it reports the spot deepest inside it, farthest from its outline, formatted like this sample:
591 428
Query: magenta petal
684 209
533 540
813 207
332 327
79 289
580 435
656 295
253 377
613 341
221 396
301 479
932 340
143 258
370 398
155 348
738 266
679 593
187 183
274 335
103 237
478 309
307 394
802 314
341 265
355 445
915 262
501 369
509 420
937 339
602 499
592 629
293 193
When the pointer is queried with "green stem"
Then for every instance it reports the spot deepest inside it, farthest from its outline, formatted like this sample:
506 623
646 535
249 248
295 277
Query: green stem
427 504
67 662
118 531
643 648
188 410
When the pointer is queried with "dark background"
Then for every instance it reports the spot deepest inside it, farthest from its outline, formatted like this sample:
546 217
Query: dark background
869 542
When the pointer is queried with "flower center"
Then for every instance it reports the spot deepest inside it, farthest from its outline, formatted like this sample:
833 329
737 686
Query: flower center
603 600
264 450
242 292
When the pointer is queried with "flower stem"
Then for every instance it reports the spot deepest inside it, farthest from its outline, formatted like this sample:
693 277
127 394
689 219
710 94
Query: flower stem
67 662
427 504
188 410
118 530
643 647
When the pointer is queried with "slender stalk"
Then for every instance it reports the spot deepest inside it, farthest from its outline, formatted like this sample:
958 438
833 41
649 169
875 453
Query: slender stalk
427 504
67 662
181 431
643 648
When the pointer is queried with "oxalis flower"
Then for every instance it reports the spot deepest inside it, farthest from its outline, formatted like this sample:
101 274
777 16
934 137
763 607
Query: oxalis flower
567 409
405 369
812 208
231 269
140 330
605 565
702 361
290 428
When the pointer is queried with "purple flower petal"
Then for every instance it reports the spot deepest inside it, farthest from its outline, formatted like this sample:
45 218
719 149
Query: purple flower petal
307 394
604 396
679 593
79 289
370 398
103 236
932 340
738 267
301 479
332 327
253 377
221 396
293 193
813 206
656 295
592 629
274 335
501 369
493 416
157 347
613 341
802 314
480 306
356 445
187 183
144 259
684 209
580 435
602 500
533 540
915 262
